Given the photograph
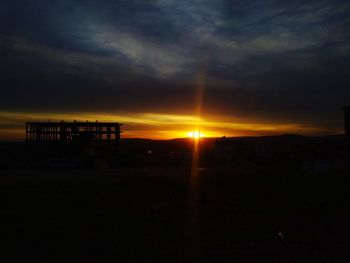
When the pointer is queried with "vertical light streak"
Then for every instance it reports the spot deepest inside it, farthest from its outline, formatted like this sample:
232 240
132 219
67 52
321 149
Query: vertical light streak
194 191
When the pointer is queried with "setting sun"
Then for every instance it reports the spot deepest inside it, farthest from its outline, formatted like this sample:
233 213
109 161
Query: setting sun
195 134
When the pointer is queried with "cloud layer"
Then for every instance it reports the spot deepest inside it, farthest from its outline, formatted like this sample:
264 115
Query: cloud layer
272 61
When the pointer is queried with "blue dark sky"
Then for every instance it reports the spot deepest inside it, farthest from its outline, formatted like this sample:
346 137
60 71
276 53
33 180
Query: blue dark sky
284 62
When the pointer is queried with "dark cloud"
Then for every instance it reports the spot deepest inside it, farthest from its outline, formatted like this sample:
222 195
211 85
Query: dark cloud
276 60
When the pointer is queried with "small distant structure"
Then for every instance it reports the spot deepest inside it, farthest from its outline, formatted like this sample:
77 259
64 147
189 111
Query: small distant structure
347 123
73 131
347 132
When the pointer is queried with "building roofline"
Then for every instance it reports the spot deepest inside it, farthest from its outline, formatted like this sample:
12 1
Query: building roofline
77 123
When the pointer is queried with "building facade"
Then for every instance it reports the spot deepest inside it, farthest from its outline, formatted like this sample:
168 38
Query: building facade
73 131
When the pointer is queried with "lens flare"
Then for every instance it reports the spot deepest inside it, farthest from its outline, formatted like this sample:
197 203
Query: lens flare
195 134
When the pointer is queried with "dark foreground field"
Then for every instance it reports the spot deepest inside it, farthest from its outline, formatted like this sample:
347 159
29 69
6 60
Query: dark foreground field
167 215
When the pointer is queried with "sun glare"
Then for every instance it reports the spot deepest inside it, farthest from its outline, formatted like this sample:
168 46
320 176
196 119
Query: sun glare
195 134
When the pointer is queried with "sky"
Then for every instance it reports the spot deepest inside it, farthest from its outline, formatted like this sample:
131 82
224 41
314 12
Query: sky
166 67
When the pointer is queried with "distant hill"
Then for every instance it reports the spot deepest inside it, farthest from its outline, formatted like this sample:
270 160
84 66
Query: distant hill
140 152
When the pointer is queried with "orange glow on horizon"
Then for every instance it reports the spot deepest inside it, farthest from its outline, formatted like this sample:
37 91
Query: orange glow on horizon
163 126
196 134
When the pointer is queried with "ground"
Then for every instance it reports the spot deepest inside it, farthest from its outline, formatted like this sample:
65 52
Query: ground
174 215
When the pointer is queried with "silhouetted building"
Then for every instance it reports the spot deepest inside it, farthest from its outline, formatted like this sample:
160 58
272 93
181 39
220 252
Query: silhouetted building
347 131
347 123
72 131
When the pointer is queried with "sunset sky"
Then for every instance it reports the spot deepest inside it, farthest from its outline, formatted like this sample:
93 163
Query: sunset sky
166 67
